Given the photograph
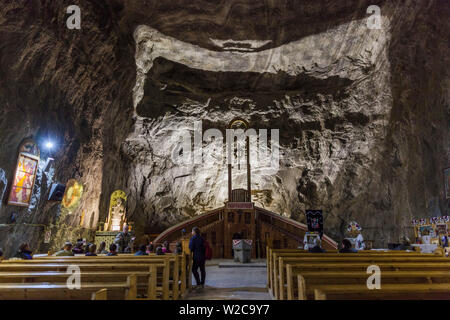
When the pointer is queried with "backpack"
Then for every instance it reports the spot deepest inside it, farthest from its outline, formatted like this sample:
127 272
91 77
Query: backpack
208 251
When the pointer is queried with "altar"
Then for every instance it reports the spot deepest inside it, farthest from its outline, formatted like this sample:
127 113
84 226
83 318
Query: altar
431 233
115 221
107 236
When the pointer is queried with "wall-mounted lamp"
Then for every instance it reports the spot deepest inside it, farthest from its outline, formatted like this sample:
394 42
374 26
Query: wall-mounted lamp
49 145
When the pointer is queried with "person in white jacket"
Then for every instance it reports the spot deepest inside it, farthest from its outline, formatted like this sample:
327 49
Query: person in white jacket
359 242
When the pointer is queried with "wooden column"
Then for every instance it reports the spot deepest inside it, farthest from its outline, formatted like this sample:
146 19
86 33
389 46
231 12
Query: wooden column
229 182
249 181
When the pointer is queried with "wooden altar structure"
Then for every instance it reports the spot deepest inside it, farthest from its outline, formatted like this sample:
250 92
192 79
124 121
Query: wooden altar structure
241 218
263 227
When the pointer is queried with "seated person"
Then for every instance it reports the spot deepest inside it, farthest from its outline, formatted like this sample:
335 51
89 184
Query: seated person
444 241
405 245
178 248
127 250
150 248
165 247
24 252
124 239
159 251
347 247
78 247
92 249
112 250
66 251
86 247
317 246
102 248
1 255
142 251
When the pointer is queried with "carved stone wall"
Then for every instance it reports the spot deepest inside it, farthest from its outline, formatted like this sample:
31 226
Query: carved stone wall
363 114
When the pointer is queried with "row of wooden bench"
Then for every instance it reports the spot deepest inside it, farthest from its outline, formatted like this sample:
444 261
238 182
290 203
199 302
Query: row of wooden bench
297 274
113 277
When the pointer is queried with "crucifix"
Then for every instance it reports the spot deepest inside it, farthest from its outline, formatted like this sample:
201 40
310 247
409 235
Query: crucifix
237 124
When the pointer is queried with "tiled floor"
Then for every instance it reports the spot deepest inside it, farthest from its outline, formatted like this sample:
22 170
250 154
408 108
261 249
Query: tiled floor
233 282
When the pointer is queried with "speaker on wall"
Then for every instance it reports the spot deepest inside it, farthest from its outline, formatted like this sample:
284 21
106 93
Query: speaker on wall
57 192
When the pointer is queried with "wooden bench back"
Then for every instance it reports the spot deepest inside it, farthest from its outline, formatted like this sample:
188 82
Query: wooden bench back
277 280
301 284
26 291
429 291
178 266
273 254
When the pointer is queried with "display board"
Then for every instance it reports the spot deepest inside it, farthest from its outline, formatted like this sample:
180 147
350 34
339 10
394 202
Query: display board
314 221
431 230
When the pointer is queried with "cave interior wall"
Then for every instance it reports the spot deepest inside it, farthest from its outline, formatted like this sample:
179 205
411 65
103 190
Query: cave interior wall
363 115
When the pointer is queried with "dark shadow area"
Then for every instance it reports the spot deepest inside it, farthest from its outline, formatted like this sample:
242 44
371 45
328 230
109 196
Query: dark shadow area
170 84
280 21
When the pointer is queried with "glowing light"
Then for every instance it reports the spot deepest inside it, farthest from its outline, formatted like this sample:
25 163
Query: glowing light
49 145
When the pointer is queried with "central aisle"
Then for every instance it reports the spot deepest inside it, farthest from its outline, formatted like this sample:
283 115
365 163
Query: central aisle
228 280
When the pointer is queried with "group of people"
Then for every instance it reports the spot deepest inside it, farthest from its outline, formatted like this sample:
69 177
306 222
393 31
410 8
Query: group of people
346 247
198 246
24 252
88 250
145 250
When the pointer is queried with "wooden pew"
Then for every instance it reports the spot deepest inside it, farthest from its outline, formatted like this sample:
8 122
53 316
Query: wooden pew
146 281
385 267
100 295
179 270
272 255
38 291
150 282
307 281
276 273
280 271
422 291
171 264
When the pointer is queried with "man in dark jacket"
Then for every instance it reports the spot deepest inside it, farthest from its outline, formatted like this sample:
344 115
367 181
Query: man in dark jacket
124 240
197 247
317 246
347 247
24 252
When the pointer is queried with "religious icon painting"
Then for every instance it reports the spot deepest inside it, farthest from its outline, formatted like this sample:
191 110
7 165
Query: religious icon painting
47 236
117 208
441 229
25 175
315 223
353 228
72 195
314 220
29 147
447 182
